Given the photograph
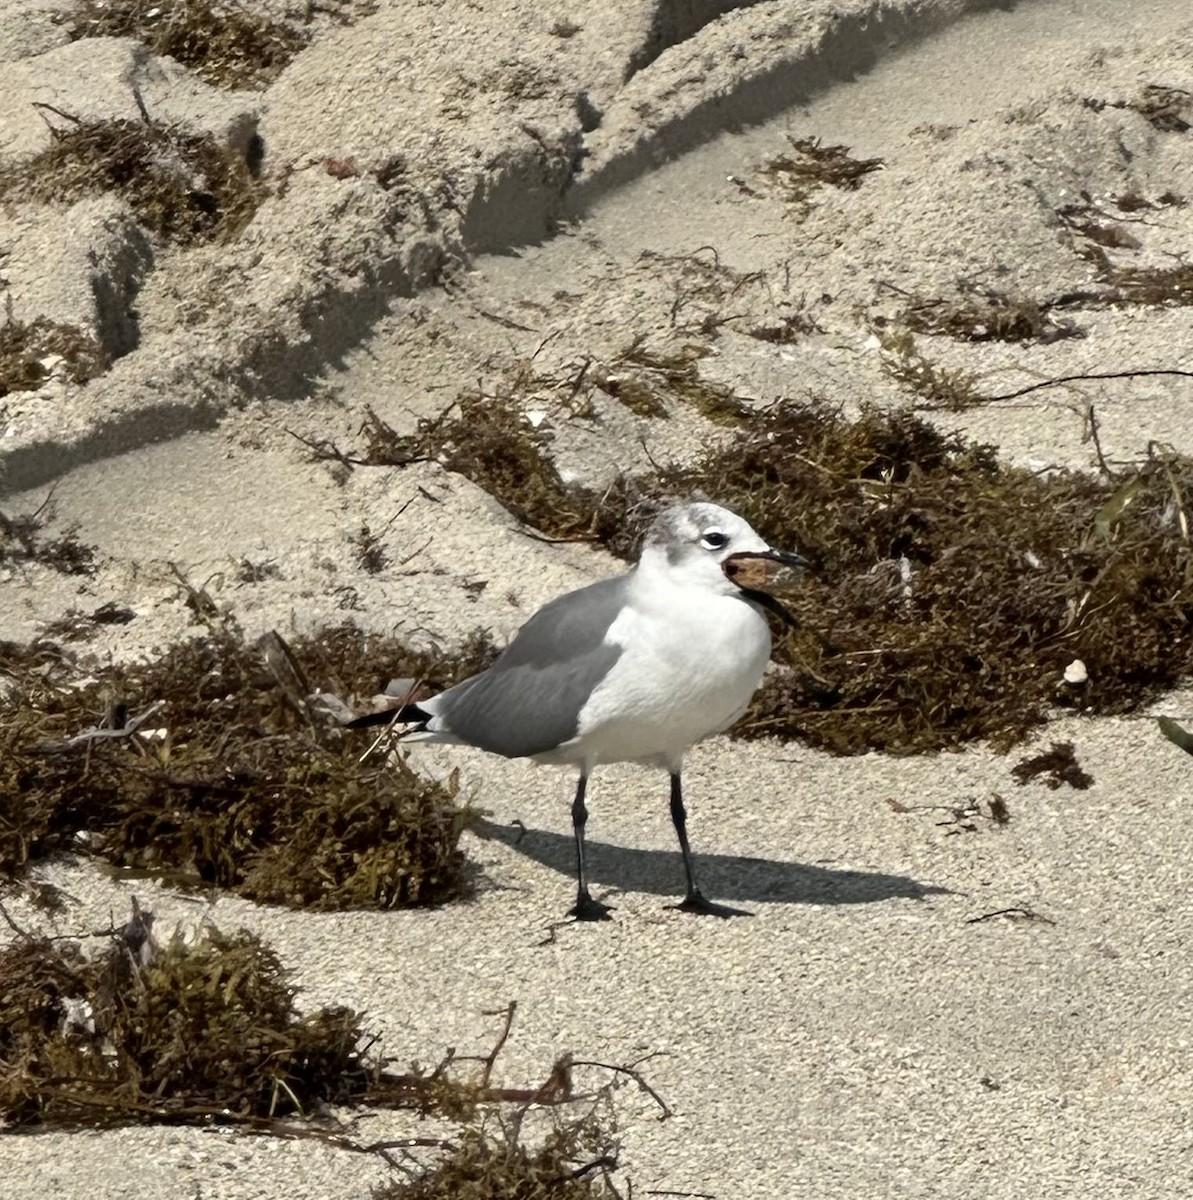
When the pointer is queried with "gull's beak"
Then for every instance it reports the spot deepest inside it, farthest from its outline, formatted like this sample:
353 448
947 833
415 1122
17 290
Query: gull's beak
763 568
788 558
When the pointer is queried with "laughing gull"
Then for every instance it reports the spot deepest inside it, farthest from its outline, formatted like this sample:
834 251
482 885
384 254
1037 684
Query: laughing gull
632 669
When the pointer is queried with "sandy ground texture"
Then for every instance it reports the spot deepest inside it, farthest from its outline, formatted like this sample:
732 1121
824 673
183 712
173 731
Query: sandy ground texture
571 181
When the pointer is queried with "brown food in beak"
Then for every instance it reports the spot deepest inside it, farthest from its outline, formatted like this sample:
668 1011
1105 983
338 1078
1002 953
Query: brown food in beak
756 570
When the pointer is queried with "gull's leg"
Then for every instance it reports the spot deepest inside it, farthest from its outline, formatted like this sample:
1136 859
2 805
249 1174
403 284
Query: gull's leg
586 908
694 901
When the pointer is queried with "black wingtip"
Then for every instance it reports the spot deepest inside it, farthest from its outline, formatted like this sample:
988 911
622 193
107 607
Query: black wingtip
408 714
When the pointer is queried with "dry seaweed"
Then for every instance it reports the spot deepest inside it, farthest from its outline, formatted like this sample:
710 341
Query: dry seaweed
702 287
646 379
369 551
30 353
205 1029
78 626
953 589
811 166
207 767
170 1033
948 388
1096 231
224 41
1057 765
986 315
487 438
186 187
490 441
784 329
1168 109
1151 285
572 1163
22 543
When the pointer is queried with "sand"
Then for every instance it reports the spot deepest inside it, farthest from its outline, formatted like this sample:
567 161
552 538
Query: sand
864 1033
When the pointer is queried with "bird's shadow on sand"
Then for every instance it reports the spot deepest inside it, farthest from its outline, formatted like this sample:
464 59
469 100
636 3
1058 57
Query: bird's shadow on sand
722 876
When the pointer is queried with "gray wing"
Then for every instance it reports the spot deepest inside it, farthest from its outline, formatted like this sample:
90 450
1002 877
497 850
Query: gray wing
530 699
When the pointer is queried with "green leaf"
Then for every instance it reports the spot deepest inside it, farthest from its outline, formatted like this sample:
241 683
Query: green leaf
1112 511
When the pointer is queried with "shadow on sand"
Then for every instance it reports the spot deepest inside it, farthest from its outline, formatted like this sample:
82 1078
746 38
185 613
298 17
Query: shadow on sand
721 876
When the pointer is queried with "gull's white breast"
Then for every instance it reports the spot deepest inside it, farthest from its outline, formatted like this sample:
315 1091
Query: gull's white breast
691 660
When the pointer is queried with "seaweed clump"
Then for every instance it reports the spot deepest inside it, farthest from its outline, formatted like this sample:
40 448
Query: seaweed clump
487 438
1053 767
490 441
192 1029
223 41
646 380
572 1163
30 352
22 543
206 1030
953 589
211 766
988 316
948 388
185 187
811 166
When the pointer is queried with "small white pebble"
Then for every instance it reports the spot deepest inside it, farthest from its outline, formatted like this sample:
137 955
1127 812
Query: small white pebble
1075 672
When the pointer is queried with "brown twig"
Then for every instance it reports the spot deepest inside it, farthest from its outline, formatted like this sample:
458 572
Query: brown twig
1026 914
1061 379
635 1075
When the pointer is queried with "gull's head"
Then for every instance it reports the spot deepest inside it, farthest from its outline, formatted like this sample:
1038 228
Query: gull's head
704 545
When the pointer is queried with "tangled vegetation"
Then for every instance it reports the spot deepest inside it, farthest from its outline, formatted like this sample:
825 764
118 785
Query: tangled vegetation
810 166
205 1029
30 352
182 186
212 766
142 1032
988 315
224 41
22 542
572 1163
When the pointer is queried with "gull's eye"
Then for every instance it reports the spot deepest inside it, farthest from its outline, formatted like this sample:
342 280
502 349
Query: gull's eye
714 539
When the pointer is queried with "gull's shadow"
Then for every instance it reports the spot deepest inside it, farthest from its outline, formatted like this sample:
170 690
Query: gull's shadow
722 876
